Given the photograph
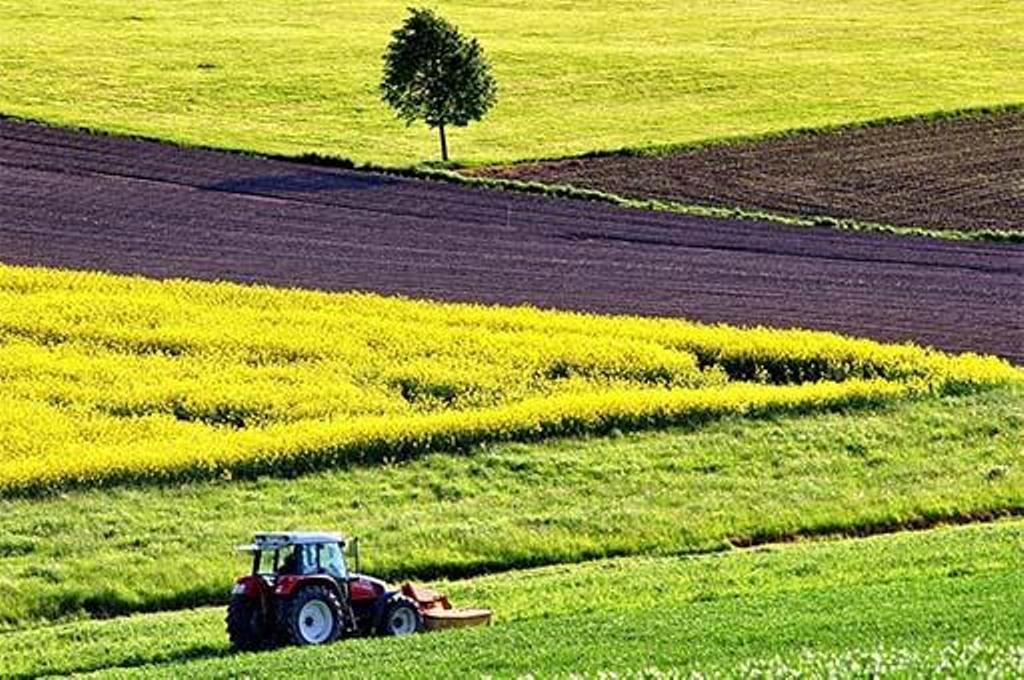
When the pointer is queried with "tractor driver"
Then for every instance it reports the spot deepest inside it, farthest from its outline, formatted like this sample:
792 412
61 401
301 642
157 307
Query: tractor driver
290 565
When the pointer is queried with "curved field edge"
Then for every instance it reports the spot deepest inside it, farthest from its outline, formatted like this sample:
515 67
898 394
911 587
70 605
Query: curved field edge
656 150
795 605
113 380
254 77
736 213
436 169
469 175
548 176
478 176
502 507
388 438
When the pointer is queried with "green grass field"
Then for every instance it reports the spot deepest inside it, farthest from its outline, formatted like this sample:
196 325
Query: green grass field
512 506
286 77
616 554
921 598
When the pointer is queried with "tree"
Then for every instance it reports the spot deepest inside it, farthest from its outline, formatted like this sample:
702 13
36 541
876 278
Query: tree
435 74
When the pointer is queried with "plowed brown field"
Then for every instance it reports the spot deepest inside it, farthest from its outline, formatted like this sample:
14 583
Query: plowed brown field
964 173
82 201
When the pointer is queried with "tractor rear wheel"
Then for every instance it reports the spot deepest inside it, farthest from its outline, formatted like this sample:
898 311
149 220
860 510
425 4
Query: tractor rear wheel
401 617
313 616
247 626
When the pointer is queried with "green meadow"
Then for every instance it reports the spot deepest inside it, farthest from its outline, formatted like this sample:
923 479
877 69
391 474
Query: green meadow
297 77
860 542
920 603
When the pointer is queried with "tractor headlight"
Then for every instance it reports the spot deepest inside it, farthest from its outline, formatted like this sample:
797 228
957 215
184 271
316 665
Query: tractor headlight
239 589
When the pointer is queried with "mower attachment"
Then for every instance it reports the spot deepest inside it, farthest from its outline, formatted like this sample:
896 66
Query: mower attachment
438 612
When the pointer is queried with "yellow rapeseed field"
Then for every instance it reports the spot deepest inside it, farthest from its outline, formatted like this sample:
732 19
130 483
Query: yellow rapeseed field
107 379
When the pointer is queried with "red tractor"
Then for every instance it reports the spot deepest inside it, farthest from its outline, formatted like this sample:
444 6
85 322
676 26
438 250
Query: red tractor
301 592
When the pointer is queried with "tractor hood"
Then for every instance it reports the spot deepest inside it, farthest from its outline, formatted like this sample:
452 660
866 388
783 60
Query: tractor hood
365 587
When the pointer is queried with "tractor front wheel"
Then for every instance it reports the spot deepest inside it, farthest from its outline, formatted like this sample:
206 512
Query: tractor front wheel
313 616
401 617
247 626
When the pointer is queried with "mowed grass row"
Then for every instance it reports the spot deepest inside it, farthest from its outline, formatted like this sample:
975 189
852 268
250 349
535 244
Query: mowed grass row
276 76
502 507
808 605
107 379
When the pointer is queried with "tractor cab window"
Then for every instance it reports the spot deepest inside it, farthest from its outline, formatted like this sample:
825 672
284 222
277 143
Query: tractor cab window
291 560
298 560
264 562
312 558
307 559
332 561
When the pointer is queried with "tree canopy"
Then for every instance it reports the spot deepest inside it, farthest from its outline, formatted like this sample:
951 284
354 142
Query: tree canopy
435 74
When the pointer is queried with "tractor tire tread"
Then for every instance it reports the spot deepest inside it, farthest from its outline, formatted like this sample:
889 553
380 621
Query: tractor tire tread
290 613
242 632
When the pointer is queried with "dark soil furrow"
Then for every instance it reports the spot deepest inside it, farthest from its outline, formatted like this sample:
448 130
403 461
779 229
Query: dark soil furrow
75 200
959 173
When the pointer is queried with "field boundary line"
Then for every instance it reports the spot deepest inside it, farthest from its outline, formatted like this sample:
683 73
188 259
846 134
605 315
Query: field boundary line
658 150
433 434
980 111
453 173
722 212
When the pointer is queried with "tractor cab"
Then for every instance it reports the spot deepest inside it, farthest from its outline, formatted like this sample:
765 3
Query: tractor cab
275 555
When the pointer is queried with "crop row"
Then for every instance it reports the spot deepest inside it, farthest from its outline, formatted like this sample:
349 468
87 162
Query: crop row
106 378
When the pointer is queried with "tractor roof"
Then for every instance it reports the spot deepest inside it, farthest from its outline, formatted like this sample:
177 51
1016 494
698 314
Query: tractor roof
274 540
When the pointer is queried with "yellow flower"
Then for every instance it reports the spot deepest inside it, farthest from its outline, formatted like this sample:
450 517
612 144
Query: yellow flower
106 378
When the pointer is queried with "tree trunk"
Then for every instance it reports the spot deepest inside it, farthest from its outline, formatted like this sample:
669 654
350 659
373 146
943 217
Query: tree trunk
444 143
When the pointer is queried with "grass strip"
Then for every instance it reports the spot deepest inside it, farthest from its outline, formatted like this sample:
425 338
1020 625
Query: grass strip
723 612
502 507
719 212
